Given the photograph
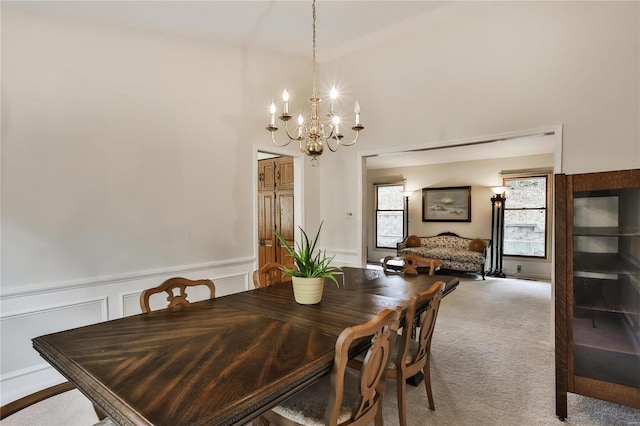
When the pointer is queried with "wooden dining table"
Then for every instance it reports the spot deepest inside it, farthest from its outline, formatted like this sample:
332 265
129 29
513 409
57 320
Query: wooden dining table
222 361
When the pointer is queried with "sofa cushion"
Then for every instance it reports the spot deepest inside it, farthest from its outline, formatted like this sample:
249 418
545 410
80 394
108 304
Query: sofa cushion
476 245
413 241
443 253
447 241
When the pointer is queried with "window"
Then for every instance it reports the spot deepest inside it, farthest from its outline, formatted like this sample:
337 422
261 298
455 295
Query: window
526 217
389 215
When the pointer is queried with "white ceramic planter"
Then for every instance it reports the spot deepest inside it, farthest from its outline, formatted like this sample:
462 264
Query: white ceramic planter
307 291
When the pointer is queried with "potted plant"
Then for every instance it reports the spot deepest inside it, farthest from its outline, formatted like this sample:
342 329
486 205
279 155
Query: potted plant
311 268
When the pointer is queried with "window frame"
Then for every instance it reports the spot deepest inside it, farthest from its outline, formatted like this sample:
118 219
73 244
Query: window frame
376 210
548 175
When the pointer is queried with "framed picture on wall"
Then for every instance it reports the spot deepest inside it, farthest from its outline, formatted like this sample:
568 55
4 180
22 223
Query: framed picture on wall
450 204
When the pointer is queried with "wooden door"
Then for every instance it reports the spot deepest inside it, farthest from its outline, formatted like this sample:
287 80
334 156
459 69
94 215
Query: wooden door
275 209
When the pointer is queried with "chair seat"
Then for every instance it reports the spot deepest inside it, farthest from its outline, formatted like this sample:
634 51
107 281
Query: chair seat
308 407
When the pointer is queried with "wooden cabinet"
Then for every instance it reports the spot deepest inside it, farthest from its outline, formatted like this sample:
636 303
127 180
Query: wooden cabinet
597 271
275 209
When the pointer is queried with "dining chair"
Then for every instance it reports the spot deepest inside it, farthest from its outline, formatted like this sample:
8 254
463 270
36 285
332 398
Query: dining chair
169 286
27 401
346 396
411 355
6 411
270 273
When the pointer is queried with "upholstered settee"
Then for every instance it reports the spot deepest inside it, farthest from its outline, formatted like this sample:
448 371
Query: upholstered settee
457 253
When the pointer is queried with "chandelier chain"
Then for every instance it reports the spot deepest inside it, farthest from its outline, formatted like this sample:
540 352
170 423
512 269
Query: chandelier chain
313 60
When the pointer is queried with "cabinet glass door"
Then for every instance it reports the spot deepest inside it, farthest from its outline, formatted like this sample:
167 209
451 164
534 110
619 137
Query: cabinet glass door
606 285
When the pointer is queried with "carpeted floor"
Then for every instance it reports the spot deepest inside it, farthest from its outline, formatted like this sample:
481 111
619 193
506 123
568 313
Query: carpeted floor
492 364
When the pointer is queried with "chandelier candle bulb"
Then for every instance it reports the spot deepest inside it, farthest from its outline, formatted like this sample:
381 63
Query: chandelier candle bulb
300 123
285 99
333 95
272 110
357 111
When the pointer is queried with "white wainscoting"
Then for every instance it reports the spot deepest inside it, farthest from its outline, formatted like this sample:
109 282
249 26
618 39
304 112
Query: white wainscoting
344 257
50 307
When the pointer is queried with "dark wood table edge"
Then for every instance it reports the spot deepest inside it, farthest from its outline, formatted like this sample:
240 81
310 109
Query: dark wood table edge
90 387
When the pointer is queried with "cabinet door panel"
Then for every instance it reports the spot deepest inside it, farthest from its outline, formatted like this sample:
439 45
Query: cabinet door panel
285 224
284 176
266 208
266 175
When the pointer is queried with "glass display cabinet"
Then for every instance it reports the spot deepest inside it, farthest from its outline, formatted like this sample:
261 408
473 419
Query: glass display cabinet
597 277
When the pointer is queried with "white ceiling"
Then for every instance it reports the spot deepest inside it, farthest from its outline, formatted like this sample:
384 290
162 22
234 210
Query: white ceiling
269 24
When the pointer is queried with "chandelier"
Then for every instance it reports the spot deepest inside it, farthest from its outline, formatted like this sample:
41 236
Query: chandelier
314 134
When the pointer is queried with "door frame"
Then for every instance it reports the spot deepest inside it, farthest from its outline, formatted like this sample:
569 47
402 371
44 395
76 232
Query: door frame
298 184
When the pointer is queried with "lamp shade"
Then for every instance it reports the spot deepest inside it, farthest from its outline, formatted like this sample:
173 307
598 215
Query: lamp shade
498 189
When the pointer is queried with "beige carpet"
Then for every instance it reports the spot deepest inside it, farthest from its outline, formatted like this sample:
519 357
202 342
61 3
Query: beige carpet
492 365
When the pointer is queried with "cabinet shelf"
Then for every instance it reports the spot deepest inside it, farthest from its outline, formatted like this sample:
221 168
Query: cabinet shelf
605 349
606 295
607 231
611 263
614 304
604 331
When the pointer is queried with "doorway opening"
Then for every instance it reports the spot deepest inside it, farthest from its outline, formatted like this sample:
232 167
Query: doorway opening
397 160
276 208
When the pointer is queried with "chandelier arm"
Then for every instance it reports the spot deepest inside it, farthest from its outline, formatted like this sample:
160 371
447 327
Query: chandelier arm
329 144
273 139
331 130
328 129
353 141
286 129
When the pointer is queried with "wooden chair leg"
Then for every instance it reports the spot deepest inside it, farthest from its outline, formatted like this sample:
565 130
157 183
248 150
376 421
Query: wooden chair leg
377 421
427 382
402 398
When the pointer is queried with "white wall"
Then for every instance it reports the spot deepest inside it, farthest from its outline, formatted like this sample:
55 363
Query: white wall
480 175
486 68
127 158
118 143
